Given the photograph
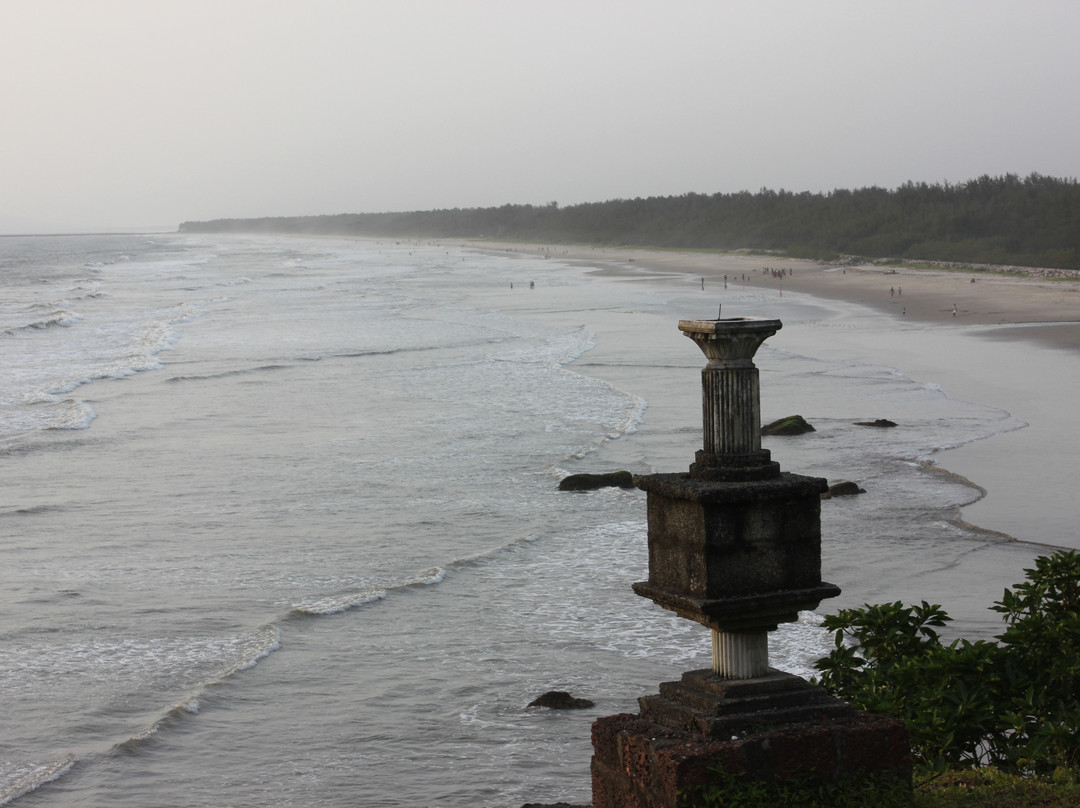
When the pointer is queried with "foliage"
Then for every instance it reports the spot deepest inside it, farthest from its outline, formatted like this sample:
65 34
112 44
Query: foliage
1013 705
1033 221
728 790
974 788
989 788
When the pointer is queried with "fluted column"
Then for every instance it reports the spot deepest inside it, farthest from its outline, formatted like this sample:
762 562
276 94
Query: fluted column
730 410
740 654
731 398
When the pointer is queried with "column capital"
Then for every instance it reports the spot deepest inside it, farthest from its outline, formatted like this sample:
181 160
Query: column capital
730 342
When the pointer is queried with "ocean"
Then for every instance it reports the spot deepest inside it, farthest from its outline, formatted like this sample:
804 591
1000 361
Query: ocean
279 522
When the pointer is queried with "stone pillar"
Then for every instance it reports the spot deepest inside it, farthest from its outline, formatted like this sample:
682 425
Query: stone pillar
735 528
735 544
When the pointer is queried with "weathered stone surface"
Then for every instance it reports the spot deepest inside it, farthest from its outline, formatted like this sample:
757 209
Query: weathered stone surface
843 489
713 546
656 759
880 422
590 482
792 425
560 700
736 545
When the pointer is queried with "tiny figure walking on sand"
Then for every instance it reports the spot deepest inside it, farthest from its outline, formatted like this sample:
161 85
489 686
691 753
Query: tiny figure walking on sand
953 309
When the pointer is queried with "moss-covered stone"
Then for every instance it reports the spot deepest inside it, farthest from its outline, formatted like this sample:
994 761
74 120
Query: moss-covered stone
792 425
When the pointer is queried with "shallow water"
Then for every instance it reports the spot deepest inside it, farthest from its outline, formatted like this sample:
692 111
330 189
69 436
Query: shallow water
281 522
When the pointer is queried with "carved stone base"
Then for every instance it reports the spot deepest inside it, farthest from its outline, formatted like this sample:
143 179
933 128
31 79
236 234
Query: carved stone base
773 727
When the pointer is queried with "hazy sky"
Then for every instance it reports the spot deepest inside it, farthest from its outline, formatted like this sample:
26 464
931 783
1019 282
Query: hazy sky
139 113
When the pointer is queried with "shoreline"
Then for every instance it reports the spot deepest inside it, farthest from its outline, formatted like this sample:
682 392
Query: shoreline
1014 344
1040 309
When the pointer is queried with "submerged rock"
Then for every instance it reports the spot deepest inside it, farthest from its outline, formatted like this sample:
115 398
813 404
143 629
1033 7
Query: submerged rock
843 489
560 700
792 425
880 422
590 482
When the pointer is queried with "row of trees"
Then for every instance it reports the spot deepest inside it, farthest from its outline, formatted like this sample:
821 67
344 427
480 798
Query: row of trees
1034 221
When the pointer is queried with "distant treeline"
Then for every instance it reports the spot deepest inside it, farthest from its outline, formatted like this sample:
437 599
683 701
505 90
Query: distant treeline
1033 222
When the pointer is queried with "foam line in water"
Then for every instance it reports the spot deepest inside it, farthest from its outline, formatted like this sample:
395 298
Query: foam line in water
18 779
252 649
226 373
259 645
336 604
171 715
55 317
433 575
70 414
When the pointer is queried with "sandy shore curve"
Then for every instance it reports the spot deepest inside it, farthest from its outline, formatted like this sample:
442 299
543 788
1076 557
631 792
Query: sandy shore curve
1044 309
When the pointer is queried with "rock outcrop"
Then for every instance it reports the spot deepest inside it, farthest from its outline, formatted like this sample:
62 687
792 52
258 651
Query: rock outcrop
792 425
560 700
590 482
843 489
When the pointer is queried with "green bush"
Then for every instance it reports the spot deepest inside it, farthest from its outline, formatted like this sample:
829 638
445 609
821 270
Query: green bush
1012 704
727 790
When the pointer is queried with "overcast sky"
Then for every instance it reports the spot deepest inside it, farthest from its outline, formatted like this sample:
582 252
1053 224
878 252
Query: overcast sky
118 114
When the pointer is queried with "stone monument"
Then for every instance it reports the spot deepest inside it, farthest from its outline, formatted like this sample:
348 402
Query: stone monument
735 544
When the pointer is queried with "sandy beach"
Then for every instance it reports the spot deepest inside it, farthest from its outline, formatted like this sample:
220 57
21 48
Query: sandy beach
1031 308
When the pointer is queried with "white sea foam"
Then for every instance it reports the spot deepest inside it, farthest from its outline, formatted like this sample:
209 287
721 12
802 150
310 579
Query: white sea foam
18 778
335 604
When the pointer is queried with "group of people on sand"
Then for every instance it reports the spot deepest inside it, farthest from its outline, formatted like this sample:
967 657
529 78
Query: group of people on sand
898 291
777 272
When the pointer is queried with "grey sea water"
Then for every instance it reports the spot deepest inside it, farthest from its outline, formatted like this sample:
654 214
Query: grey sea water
279 521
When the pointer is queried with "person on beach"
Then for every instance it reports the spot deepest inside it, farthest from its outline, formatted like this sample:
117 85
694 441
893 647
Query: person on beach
953 309
892 291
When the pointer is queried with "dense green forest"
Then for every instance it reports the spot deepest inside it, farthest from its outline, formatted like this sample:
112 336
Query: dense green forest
1034 221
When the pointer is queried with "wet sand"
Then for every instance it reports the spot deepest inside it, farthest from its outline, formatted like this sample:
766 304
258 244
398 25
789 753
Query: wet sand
1046 310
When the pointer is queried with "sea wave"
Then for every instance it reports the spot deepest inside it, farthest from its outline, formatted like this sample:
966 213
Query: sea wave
70 414
335 604
226 373
20 778
35 321
248 650
343 601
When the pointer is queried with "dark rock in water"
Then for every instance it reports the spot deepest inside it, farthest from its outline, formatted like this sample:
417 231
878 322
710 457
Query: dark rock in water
844 489
792 425
590 482
560 700
879 422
